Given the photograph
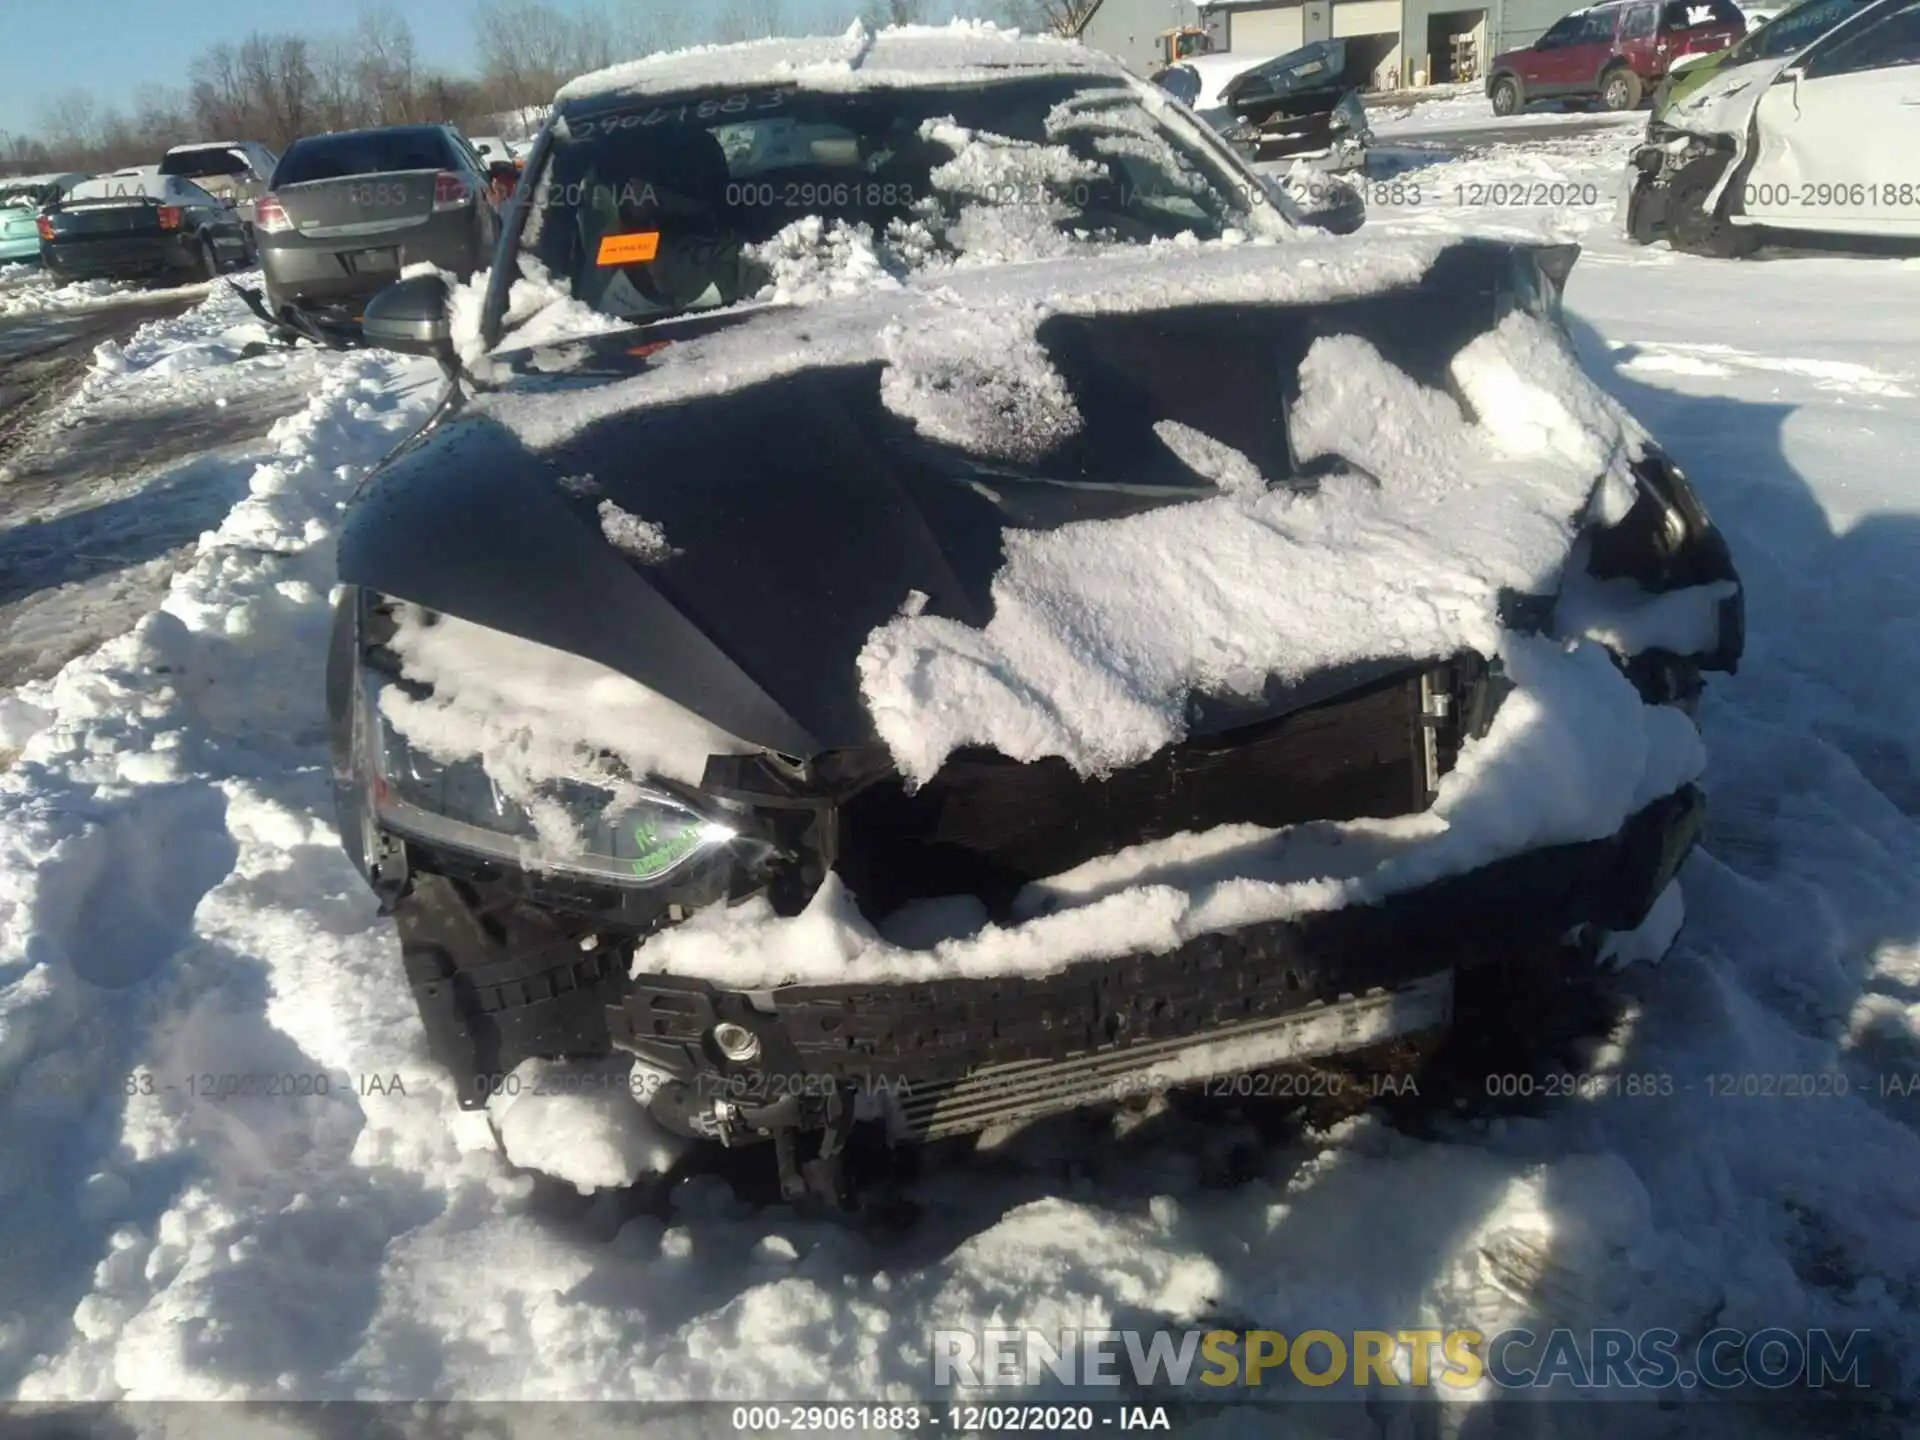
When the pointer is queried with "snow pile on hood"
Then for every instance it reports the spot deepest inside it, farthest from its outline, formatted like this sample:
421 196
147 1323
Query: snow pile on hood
1571 754
633 537
1403 553
532 714
983 385
853 329
858 59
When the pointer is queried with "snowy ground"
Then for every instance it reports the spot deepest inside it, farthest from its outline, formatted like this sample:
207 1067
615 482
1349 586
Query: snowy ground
100 492
29 290
174 908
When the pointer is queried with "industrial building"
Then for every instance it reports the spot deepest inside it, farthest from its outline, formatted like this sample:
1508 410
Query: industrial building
1403 42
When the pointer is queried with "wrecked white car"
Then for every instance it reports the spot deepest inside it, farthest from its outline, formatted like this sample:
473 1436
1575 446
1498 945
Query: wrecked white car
1105 637
1816 144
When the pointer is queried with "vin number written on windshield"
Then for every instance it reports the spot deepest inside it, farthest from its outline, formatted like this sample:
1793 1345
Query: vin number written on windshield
711 108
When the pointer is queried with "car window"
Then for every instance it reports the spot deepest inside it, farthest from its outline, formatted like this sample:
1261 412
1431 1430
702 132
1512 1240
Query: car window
1884 42
185 192
365 152
1561 32
654 206
1683 15
205 160
1791 32
1639 22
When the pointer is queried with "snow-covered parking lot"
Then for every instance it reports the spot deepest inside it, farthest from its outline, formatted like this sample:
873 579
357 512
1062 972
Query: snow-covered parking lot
175 907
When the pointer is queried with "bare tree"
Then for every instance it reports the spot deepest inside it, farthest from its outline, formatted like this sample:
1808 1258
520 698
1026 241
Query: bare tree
387 66
895 12
1062 17
73 124
750 20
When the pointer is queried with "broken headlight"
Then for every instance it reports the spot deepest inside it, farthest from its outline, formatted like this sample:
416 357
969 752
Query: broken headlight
639 834
1348 115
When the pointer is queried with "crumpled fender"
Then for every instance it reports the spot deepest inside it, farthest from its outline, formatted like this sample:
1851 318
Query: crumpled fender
1724 107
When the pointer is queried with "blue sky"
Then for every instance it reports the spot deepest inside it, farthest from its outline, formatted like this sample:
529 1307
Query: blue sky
113 46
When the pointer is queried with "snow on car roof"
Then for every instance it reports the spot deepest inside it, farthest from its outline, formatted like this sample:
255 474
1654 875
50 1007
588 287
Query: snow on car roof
140 182
16 182
856 60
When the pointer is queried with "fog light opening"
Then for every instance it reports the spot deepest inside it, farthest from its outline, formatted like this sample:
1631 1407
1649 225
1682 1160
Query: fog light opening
736 1042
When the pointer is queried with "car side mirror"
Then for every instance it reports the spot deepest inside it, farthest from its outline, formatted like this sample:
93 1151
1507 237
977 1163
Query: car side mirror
413 317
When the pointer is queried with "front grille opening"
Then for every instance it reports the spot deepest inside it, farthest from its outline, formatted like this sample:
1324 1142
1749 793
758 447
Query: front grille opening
986 826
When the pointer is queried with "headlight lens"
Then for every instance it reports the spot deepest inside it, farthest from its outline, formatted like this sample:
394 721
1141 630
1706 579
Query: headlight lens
639 837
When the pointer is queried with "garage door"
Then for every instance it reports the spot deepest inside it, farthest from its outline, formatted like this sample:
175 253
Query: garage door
1366 17
1267 32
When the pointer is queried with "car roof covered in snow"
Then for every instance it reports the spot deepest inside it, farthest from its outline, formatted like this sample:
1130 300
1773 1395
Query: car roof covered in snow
131 184
51 177
859 59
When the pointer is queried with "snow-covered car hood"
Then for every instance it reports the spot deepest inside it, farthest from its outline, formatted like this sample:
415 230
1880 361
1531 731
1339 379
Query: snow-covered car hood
1724 104
1009 509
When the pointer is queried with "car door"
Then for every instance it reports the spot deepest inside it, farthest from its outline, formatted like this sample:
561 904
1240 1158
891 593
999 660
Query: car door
1581 60
1836 134
1640 38
1536 63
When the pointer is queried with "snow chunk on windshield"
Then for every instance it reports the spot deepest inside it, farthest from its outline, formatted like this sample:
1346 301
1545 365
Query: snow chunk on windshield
814 258
1403 552
633 537
541 310
981 383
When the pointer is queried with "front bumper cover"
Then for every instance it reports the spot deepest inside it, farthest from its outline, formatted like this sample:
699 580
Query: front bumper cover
920 1038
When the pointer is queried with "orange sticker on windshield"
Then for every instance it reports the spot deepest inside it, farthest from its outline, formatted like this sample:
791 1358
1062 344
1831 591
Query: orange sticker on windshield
629 249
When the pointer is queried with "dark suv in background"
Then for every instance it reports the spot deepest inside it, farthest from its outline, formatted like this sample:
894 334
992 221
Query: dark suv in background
349 210
1615 54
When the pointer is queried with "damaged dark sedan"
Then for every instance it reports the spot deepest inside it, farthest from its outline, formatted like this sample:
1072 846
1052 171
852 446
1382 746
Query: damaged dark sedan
1302 105
930 603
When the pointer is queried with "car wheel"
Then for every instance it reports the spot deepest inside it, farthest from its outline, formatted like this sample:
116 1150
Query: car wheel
1620 90
1506 96
1662 93
207 262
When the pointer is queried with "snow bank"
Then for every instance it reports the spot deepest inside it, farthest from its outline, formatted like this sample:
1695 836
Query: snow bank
966 51
580 1123
36 292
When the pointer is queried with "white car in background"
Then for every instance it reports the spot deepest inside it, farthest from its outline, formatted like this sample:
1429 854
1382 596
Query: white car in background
491 148
237 171
1819 142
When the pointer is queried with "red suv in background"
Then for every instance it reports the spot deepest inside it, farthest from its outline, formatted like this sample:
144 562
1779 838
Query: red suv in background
1612 53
